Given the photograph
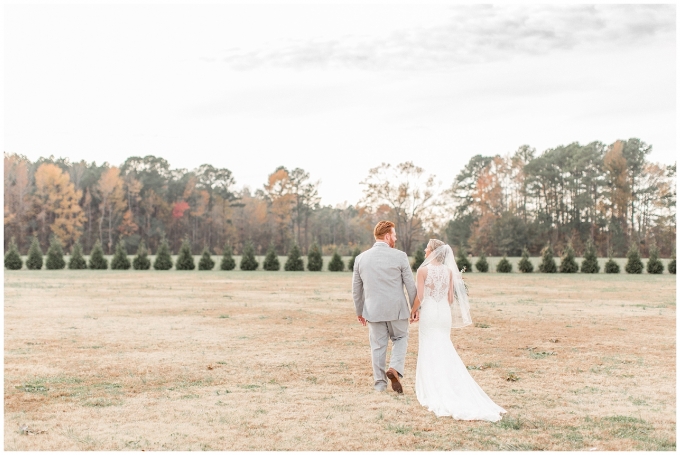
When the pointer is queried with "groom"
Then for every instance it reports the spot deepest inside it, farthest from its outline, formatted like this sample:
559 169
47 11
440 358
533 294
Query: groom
380 275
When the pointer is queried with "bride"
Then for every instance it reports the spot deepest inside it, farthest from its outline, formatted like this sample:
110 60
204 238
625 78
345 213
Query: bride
443 384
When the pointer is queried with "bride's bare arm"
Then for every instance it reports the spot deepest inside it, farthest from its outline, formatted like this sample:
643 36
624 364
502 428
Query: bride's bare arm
420 287
451 294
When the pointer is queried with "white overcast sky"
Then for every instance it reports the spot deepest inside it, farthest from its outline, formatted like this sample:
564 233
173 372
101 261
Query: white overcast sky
334 89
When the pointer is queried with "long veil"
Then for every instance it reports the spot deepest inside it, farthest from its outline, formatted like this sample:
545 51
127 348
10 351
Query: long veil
460 308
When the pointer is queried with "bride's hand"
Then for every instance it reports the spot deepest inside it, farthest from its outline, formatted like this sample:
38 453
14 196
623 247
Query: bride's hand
415 315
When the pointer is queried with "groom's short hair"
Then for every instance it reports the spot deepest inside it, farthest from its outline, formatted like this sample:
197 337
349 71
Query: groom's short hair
382 228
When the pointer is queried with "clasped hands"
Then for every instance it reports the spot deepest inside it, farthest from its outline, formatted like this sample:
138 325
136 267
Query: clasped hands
415 316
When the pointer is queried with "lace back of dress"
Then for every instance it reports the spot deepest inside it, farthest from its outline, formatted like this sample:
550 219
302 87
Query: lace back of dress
437 282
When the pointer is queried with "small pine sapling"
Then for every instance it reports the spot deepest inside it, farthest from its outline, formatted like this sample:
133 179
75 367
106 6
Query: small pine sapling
35 255
97 260
336 264
482 264
271 260
634 264
294 263
548 262
228 262
185 260
525 265
314 259
462 260
141 261
206 262
418 259
654 265
120 259
611 266
12 257
163 259
568 262
248 261
504 266
671 265
350 263
590 264
77 261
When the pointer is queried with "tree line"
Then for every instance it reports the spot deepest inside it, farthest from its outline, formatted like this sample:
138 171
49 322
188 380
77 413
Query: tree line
496 205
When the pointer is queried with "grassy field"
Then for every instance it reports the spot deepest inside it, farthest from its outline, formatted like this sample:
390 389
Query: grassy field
125 360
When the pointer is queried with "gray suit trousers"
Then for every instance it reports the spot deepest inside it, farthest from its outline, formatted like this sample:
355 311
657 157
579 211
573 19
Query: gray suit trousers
379 333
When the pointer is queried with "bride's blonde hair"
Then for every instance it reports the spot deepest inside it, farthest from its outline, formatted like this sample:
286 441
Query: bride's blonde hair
434 244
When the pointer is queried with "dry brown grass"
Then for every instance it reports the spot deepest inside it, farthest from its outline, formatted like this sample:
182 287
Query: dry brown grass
256 360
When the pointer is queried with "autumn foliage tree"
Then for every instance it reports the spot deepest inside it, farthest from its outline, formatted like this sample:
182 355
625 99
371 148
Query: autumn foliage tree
55 202
110 190
409 193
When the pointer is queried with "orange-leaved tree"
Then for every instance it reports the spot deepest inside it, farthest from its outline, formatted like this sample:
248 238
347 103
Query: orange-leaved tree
56 202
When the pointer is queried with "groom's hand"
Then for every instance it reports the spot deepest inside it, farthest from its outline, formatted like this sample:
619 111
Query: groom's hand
361 320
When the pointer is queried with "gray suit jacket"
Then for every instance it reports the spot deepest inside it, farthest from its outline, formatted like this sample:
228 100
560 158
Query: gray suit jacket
380 275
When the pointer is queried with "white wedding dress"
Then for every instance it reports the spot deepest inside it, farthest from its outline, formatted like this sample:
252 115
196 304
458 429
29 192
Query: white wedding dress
443 384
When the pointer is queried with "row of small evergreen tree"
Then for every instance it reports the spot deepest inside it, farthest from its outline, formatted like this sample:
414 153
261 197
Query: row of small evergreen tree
185 260
568 262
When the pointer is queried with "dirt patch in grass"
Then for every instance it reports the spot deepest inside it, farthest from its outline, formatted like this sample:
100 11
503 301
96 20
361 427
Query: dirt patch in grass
264 361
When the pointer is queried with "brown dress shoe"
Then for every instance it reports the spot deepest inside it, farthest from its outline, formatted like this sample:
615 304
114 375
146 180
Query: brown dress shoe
394 377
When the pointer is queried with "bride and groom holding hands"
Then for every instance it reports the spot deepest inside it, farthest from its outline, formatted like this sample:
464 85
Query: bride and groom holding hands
438 301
